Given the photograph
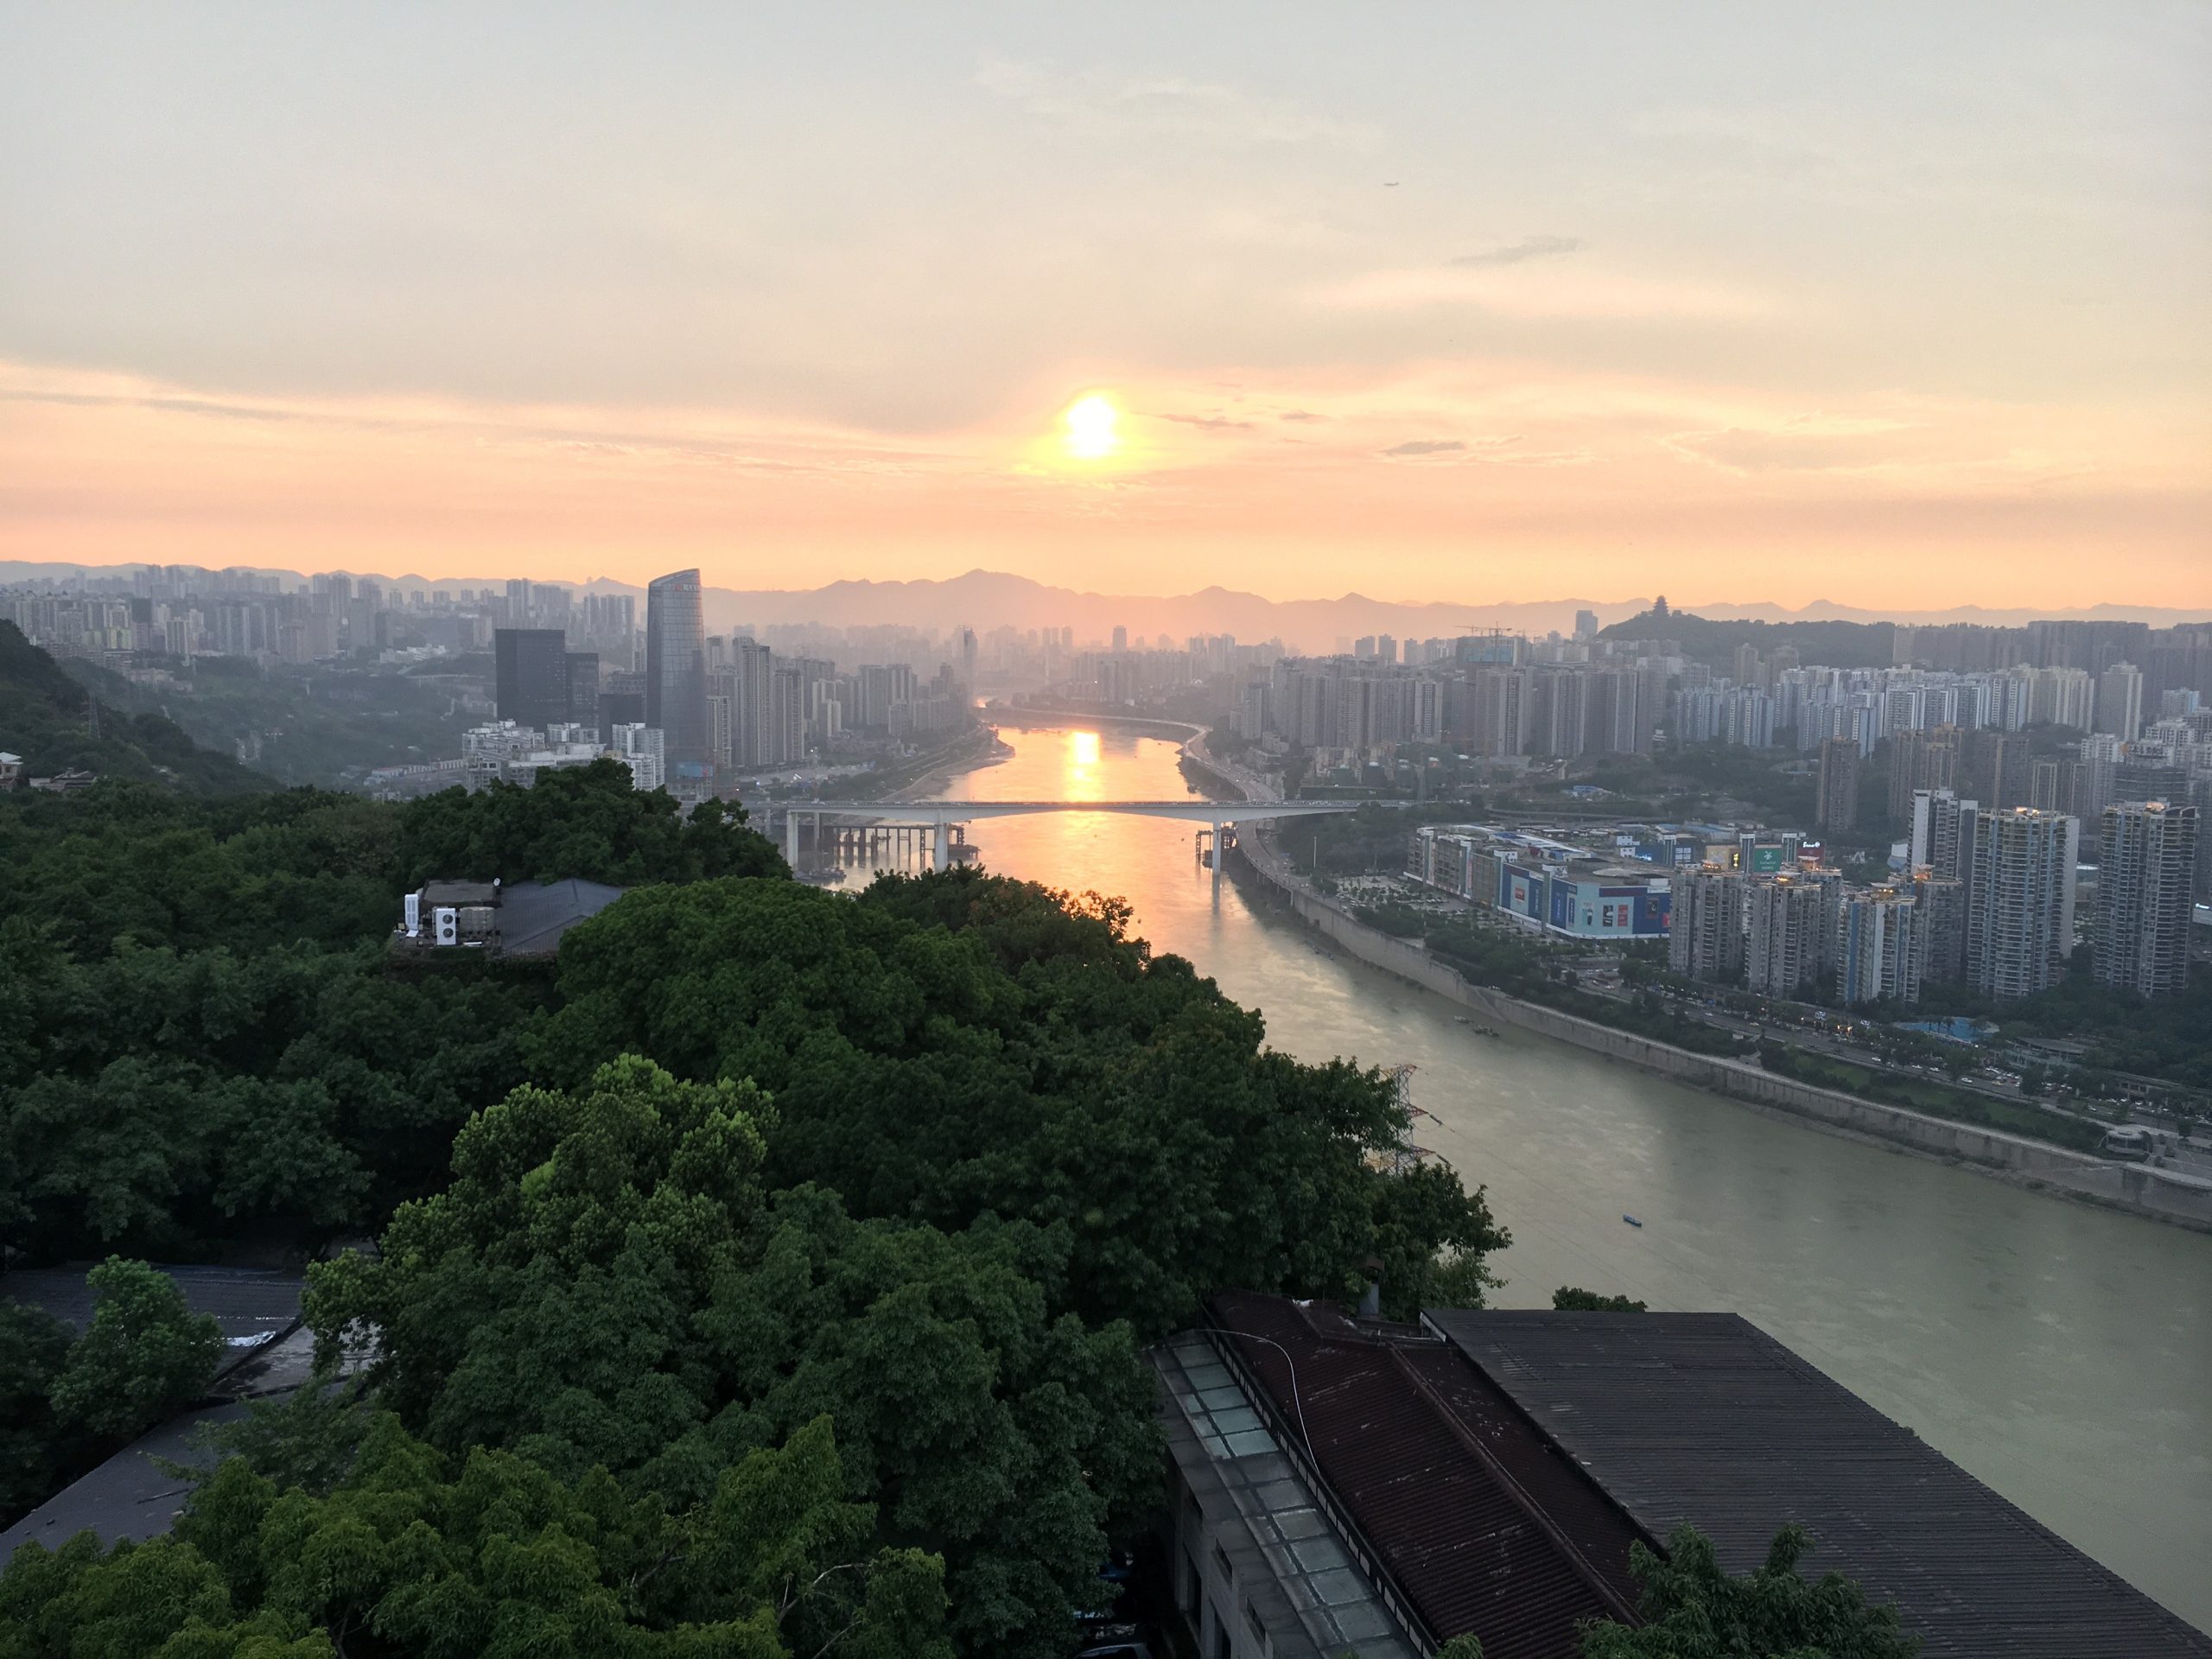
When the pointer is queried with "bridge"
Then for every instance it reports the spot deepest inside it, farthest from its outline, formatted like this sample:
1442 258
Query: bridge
941 816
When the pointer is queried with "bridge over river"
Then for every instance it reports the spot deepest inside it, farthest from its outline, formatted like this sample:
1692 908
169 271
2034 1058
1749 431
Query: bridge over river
939 817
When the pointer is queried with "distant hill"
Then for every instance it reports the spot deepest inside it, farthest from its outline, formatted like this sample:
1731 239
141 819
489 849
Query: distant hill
46 717
1713 641
984 600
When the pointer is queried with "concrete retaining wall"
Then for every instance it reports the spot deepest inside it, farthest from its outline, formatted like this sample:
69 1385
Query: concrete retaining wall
2129 1186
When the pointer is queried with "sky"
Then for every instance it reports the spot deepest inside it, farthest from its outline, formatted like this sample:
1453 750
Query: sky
1884 304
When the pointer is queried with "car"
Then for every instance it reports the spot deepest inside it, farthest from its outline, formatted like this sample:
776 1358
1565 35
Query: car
1120 1642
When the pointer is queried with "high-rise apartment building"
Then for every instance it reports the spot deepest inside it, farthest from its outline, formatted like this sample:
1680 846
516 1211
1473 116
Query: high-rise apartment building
2020 900
676 668
1877 956
1943 835
529 676
2144 878
2119 702
1939 926
1922 760
1836 809
1785 953
1705 931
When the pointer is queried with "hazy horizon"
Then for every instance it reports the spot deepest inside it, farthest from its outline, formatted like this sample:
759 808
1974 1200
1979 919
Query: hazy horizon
1888 306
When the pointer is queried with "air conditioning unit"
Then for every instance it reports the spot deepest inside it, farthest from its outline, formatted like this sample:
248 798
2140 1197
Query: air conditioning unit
448 921
414 915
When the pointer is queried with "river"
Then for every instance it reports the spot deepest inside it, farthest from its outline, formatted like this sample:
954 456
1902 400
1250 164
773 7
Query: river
2061 1353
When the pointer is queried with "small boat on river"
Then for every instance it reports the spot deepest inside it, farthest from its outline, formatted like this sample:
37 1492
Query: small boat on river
1631 1220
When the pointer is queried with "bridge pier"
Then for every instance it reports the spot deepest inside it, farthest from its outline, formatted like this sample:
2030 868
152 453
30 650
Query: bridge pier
1220 838
941 846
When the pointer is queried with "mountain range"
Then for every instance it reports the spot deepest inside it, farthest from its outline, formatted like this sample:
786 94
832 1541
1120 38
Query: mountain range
985 599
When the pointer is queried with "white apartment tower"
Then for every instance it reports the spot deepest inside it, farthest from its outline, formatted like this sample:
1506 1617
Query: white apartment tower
2020 900
1787 914
2147 864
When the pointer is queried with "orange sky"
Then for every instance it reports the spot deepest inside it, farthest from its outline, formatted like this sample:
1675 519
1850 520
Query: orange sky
1764 308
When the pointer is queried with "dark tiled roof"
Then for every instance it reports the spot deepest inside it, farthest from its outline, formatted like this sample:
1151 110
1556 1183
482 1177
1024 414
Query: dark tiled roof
1704 1417
533 916
1480 1524
129 1496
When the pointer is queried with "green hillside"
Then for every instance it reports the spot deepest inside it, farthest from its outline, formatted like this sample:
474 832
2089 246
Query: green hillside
1714 642
46 718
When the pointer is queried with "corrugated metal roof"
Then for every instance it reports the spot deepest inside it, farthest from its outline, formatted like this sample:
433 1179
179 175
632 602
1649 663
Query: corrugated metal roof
1704 1417
1478 1523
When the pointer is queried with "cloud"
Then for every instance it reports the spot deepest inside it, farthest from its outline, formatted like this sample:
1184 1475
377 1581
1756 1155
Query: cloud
1301 415
1802 443
1099 106
1210 423
1426 446
1519 290
1514 254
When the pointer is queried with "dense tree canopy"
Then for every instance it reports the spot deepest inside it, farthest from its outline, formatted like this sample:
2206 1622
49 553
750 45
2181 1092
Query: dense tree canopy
962 1046
578 821
489 1556
607 1284
201 1032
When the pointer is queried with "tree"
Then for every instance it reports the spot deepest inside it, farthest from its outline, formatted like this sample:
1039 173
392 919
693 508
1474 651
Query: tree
607 1284
962 1046
33 1347
586 821
1693 1610
489 1553
145 1356
1573 1299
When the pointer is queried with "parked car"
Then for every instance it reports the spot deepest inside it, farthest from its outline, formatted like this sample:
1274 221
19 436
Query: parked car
1122 1641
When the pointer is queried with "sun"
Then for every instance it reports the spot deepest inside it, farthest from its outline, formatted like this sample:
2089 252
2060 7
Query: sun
1091 421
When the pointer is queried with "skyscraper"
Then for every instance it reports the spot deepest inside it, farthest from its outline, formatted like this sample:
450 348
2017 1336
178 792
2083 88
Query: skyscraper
529 676
2145 876
1943 834
1837 807
1877 956
2020 900
676 668
583 687
1705 925
1785 944
1939 927
2119 702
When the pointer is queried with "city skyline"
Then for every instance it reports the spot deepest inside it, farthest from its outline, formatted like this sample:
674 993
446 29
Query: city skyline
1871 307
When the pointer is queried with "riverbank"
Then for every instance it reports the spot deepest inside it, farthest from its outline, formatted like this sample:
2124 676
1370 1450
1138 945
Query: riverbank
2038 1165
972 751
1033 715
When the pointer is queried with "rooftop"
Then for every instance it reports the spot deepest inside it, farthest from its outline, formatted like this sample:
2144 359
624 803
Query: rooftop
1705 1418
536 915
1488 1471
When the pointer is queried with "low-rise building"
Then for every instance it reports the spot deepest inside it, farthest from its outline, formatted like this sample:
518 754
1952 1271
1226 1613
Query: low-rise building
1338 1484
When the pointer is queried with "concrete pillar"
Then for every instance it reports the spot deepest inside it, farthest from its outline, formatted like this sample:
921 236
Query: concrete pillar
941 847
1220 840
791 838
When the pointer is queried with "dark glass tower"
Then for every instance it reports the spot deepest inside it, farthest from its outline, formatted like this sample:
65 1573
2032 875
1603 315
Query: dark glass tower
531 675
675 667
